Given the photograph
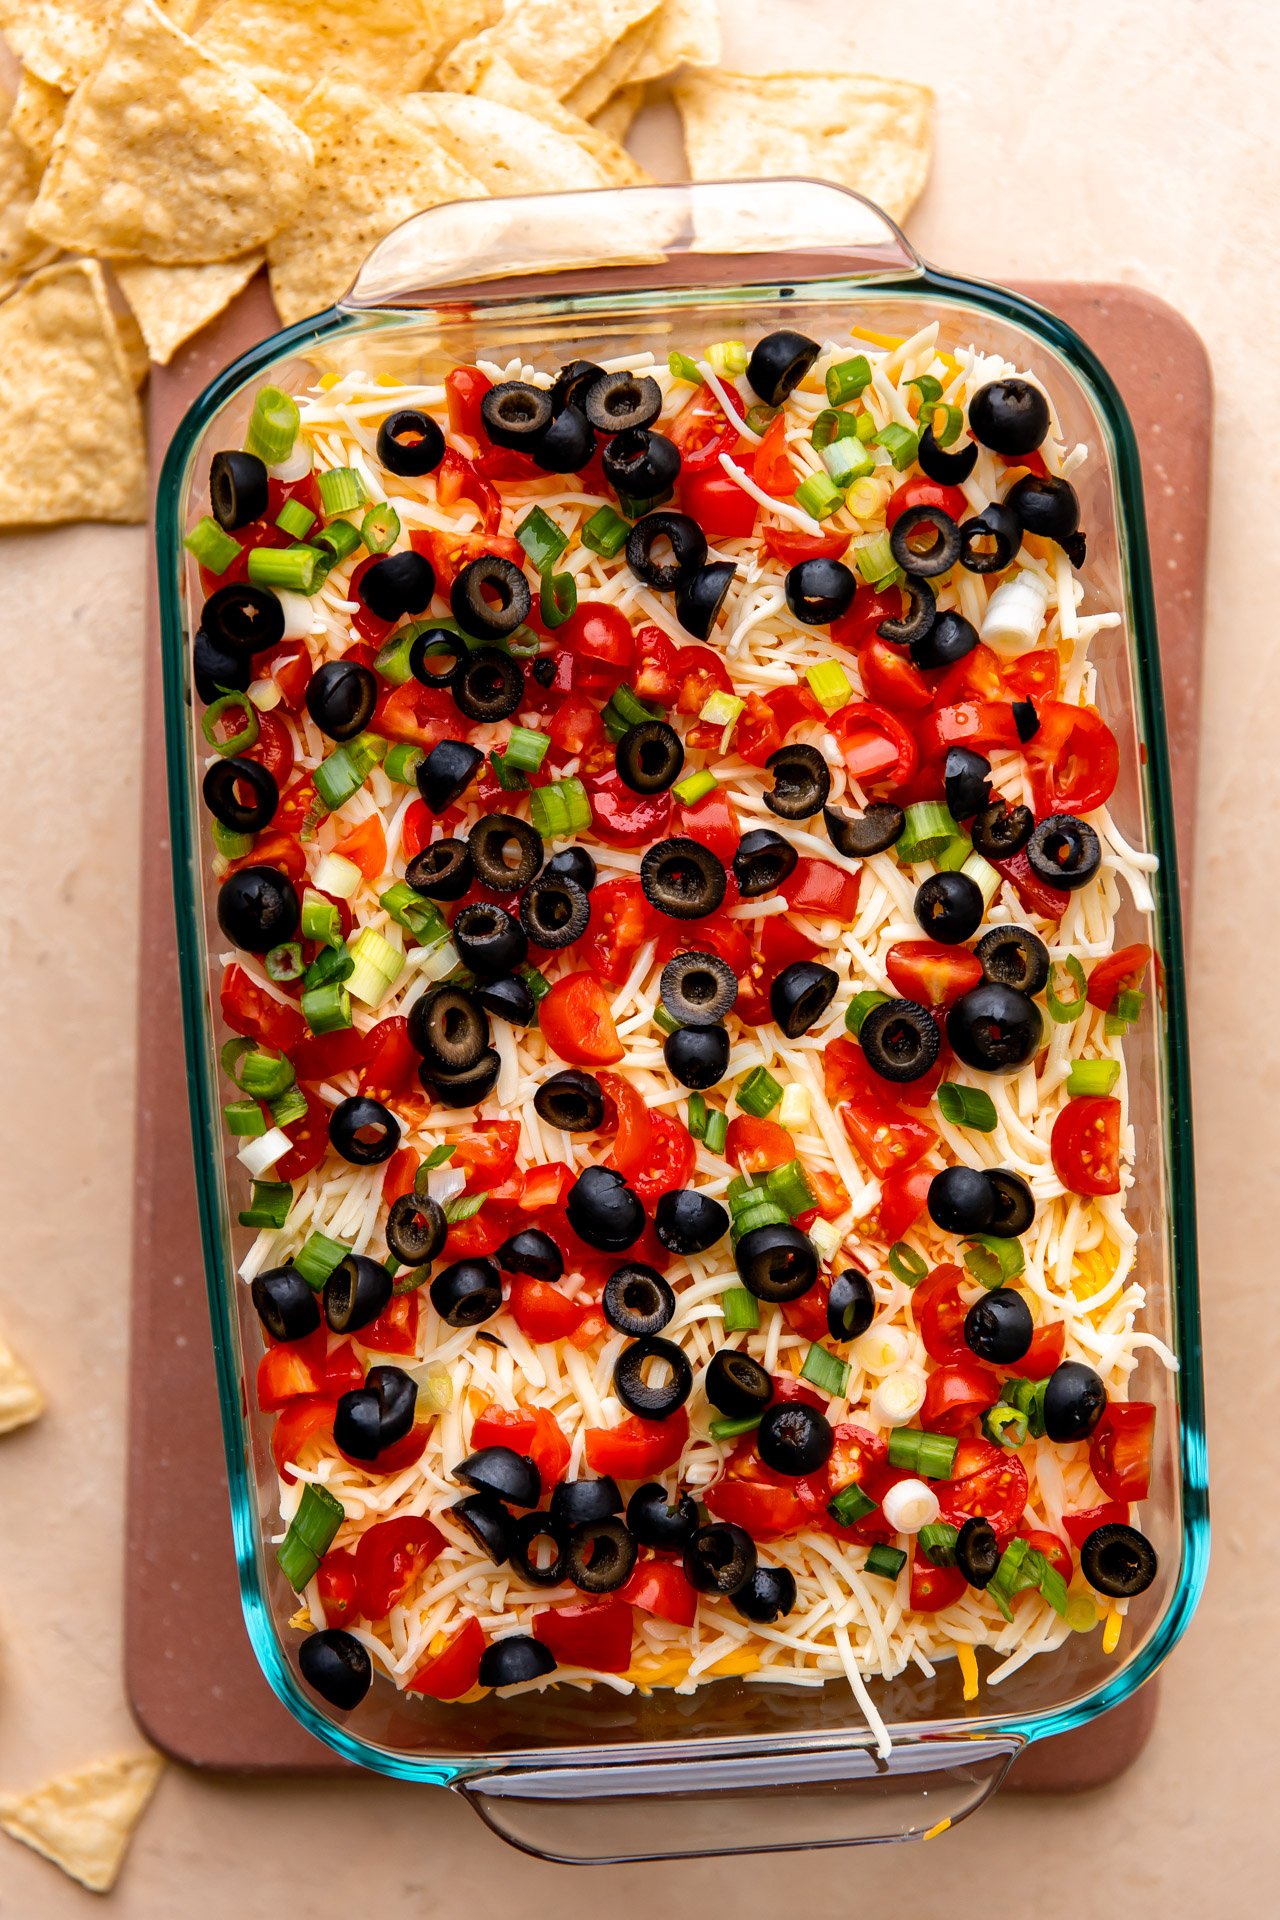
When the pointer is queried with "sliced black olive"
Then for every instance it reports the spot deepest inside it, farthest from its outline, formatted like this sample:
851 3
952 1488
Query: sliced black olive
489 940
544 669
533 1252
683 536
637 1301
637 1393
968 782
517 1658
341 696
1015 1203
698 987
949 639
352 1122
615 402
396 584
949 907
580 1503
1014 957
553 911
1009 416
794 1438
600 1556
435 654
778 363
1064 851
237 489
682 878
466 1089
921 612
900 1039
243 618
687 1221
1045 505
925 541
700 596
978 1551
506 852
697 1055
649 757
766 1596
999 1327
961 1200
216 670
240 793
641 464
1118 1560
357 1424
737 1385
448 769
858 835
285 1304
507 998
410 443
397 1397
570 1100
448 1029
762 862
508 1475
604 1211
488 685
776 1263
489 1524
442 871
1025 719
569 388
801 781
490 597
948 469
658 1521
720 1558
819 591
355 1293
515 414
801 995
258 908
335 1665
416 1229
997 525
851 1305
567 444
573 863
467 1292
1001 831
994 1028
1074 1402
527 1532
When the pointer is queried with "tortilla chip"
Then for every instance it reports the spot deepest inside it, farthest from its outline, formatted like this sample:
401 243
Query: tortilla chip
71 442
21 1400
169 153
619 110
172 303
62 41
498 80
373 168
856 129
508 151
680 33
37 114
84 1821
20 248
554 43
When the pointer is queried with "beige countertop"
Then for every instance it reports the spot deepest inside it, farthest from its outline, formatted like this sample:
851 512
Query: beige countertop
1108 140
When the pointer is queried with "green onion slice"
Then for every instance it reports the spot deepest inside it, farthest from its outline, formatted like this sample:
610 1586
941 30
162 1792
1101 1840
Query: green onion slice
848 379
230 703
734 1429
560 808
557 599
273 426
380 528
317 1258
295 518
1092 1076
285 961
212 545
929 829
967 1107
741 1310
899 443
906 1264
464 1206
341 490
886 1561
850 1504
541 539
992 1261
606 532
823 1369
860 1006
311 1534
717 1131
1065 1011
269 1204
759 1093
683 368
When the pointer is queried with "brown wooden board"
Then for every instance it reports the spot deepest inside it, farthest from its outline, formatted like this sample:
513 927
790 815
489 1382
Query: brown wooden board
192 1678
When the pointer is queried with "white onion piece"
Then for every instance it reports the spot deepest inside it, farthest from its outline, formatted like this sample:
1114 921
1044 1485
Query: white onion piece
910 1505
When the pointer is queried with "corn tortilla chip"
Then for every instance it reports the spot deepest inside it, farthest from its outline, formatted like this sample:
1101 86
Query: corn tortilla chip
84 1821
20 248
373 169
680 33
554 43
62 41
856 129
172 303
169 153
508 151
498 80
37 114
71 443
21 1400
619 110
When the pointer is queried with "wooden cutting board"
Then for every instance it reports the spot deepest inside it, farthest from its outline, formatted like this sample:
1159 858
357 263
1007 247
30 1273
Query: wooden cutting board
192 1678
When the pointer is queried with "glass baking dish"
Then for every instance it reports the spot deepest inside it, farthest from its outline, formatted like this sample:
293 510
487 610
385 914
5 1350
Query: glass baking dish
598 1776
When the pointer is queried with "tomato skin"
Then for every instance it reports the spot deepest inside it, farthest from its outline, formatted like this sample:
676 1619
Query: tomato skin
888 1139
541 1311
464 389
670 1160
1044 1353
274 849
1085 1144
1036 895
818 887
301 1421
1118 973
1054 1550
766 1511
920 491
575 728
633 1121
986 1481
396 1328
365 846
545 1186
310 1137
902 1201
956 1395
782 543
703 431
933 1588
655 675
771 466
875 744
980 724
713 823
1078 1526
637 1449
933 975
757 733
391 1063
389 1558
588 1633
659 1587
858 626
889 677
336 1581
457 478
420 716
597 630
714 934
576 1022
487 1155
249 1010
456 1668
319 1056
299 1369
699 672
401 1172
777 946
273 748
536 1433
848 1075
621 921
719 505
1073 761
623 818
757 1146
940 1311
1120 1449
449 553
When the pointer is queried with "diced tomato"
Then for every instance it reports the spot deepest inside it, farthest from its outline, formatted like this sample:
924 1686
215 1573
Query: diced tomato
790 547
1085 1145
301 1422
655 674
637 1449
876 746
273 748
535 1432
1044 1353
716 933
277 850
778 944
1118 973
1033 462
391 1065
453 1671
987 1481
1035 675
395 1458
576 1022
389 1559
621 921
703 431
1073 761
1036 895
364 621
902 1201
464 389
888 1138
818 887
765 1509
597 630
980 724
932 975
575 728
396 1328
756 1146
420 716
830 1193
858 626
365 846
300 1368
298 803
659 1587
401 1172
336 1580
250 1010
457 478
487 1154
940 1311
623 818
545 1186
541 1311
771 466
720 506
699 672
1120 1449
1112 1513
713 823
794 706
889 677
633 1121
310 1137
920 491
587 1633
449 553
849 1075
956 1395
1054 1550
504 463
757 733
669 1164
319 1056
480 1234
933 1588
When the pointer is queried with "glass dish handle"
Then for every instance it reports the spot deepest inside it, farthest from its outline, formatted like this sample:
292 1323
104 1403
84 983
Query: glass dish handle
679 1809
693 234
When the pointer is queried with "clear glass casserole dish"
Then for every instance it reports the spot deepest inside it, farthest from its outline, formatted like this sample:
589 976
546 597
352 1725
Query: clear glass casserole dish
580 1776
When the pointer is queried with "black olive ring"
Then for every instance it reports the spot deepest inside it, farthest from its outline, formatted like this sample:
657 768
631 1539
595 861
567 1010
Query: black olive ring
222 796
942 552
635 1392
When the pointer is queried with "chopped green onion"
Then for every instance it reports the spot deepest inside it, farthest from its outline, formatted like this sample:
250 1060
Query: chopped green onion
1125 1009
378 965
229 703
284 962
625 709
1028 1397
846 380
437 1157
830 427
694 787
257 1071
392 657
380 528
734 1429
795 1108
211 545
697 1120
727 358
721 709
661 1018
847 460
321 919
967 1107
822 1369
327 1008
244 1119
526 749
937 1542
819 496
269 1204
289 1107
337 876
865 428
463 1206
928 386
906 1264
1092 1076
296 569
232 846
537 983
986 877
946 422
683 368
850 1504
331 963
759 1093
541 539
1005 1426
830 685
760 418
1081 1614
899 443
992 1261
340 538
888 1562
1065 1011
509 778
560 808
860 1006
743 1191
341 490
741 1310
295 519
717 1131
787 1187
929 828
1053 1587
273 426
874 559
931 1455
402 763
557 599
312 1532
317 1258
765 1213
952 859
606 532
347 768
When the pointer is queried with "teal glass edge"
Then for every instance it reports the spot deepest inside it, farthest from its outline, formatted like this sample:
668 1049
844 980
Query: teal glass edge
984 298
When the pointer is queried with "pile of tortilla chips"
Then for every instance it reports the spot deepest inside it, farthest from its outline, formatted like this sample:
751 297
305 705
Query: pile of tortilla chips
157 152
